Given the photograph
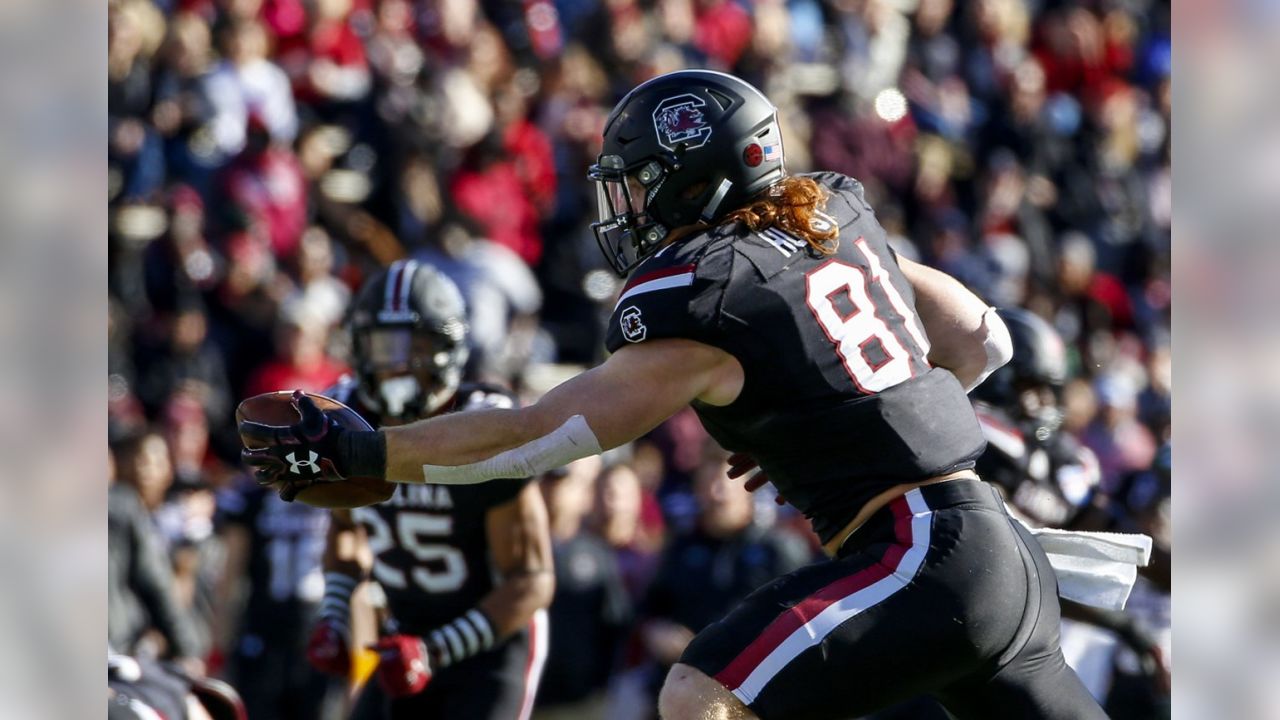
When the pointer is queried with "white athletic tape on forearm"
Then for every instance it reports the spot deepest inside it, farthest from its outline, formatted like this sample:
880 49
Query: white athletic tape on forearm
996 343
571 441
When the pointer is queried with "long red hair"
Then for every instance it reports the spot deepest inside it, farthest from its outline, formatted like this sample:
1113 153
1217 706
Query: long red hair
793 205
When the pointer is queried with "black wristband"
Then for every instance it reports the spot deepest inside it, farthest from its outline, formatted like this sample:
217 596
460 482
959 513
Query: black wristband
364 454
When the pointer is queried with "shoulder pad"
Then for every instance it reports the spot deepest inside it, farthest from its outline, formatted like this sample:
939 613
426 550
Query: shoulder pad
846 189
675 293
343 391
770 251
1001 434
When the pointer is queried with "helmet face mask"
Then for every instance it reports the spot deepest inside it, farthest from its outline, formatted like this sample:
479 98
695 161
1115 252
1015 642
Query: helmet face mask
1029 386
683 148
625 230
408 332
405 371
1039 402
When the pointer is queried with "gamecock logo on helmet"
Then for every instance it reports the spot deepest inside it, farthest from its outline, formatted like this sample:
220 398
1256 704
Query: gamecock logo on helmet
679 119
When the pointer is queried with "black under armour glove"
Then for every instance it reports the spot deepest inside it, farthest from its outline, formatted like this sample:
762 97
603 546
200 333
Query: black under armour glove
314 450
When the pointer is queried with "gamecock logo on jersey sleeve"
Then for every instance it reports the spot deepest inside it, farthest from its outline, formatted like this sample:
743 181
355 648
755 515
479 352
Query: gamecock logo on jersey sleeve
679 119
632 329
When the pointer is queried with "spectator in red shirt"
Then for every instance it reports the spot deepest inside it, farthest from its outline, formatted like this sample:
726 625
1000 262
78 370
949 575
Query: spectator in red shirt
528 146
265 182
488 188
327 64
302 360
722 30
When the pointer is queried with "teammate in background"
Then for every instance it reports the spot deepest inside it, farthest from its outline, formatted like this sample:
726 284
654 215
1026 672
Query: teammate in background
466 569
274 548
1046 475
773 305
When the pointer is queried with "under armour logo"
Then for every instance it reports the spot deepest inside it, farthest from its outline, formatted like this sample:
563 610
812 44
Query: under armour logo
295 465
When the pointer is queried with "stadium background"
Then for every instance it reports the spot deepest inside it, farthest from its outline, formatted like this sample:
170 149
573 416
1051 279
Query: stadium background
266 155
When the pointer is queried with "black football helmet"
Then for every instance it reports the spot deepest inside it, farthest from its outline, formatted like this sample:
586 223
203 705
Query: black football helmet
682 148
409 337
1038 367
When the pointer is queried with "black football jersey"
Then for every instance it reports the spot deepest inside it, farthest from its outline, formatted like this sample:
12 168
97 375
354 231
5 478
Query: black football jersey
839 401
1047 475
285 550
430 549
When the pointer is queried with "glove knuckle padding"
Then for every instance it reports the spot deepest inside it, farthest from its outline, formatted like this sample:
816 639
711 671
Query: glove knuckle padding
314 423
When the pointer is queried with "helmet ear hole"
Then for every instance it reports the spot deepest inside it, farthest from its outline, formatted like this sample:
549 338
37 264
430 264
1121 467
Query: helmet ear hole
649 174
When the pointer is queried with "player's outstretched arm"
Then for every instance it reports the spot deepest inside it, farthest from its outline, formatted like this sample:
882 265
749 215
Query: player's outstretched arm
629 394
634 390
965 334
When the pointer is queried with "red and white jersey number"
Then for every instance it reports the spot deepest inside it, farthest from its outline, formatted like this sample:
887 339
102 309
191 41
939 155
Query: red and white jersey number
839 296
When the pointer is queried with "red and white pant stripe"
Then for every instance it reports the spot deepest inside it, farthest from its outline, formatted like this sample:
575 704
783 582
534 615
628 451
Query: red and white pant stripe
538 639
809 621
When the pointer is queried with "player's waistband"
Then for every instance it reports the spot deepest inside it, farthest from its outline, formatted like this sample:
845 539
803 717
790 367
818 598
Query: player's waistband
938 496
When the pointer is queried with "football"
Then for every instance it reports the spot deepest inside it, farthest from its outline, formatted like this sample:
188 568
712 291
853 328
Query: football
276 408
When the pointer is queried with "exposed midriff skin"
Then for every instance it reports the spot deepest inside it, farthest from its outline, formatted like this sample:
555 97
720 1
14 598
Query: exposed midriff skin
883 499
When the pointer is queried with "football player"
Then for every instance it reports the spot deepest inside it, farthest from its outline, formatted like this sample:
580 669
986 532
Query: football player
1045 474
466 569
272 558
773 304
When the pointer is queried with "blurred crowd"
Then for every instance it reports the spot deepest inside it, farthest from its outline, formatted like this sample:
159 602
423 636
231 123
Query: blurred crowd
266 155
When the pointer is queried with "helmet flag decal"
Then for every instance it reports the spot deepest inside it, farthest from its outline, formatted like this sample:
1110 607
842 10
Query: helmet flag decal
680 119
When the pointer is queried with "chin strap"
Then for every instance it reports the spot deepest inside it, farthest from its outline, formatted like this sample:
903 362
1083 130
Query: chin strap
571 441
709 210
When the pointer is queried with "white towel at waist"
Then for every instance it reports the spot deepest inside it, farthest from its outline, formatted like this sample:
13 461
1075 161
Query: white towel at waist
1095 568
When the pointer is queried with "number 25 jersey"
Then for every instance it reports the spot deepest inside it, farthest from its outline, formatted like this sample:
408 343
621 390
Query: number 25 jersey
429 542
839 401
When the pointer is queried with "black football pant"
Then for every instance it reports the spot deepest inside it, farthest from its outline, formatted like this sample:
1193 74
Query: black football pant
269 670
497 685
939 593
